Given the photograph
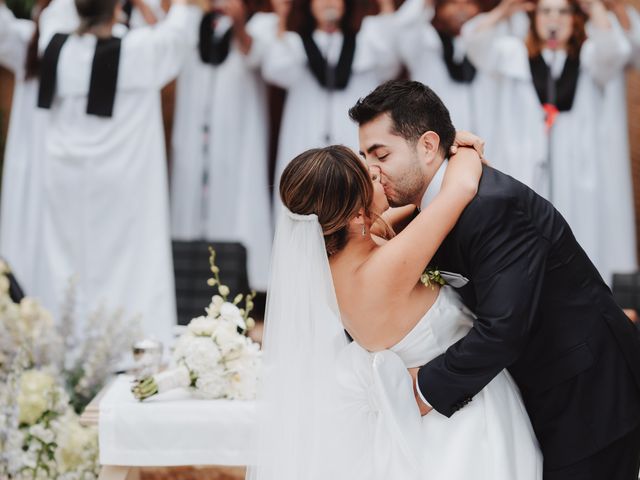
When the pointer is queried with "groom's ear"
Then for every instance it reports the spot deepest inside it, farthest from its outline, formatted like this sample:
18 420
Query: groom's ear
429 146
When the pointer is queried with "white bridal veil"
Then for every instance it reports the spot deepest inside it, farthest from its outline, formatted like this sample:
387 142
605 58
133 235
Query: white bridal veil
328 409
298 435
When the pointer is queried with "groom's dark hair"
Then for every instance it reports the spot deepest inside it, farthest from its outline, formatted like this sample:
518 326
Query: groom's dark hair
414 109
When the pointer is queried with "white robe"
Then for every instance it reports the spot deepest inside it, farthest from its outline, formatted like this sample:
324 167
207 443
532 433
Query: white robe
618 182
106 216
21 203
579 159
314 117
420 48
231 100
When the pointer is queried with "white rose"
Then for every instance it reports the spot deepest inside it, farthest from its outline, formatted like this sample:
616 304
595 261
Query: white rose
202 326
73 441
230 312
4 284
35 389
229 342
29 309
203 355
213 384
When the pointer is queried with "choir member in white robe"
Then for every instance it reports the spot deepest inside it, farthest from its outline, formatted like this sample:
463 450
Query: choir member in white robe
220 141
614 133
568 164
429 44
325 69
106 215
21 202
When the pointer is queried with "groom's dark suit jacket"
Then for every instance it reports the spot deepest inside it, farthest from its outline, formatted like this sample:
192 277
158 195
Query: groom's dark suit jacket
543 312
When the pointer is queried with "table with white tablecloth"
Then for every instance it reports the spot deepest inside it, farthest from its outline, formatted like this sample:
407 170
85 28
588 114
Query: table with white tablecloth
171 429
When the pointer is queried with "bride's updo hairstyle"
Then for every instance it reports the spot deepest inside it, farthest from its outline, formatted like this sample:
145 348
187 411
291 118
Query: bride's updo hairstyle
331 182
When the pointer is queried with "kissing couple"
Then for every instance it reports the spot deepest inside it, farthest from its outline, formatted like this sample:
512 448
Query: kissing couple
486 346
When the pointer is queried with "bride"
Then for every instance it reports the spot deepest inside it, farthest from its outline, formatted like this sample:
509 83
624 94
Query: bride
331 409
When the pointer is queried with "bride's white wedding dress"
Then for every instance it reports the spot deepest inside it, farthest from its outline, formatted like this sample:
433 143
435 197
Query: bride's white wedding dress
383 436
329 409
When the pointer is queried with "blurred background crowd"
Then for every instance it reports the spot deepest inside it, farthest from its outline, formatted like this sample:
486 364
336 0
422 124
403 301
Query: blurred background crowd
141 131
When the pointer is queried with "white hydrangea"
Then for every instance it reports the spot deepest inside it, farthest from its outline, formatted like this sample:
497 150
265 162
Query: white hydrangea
202 355
42 433
211 384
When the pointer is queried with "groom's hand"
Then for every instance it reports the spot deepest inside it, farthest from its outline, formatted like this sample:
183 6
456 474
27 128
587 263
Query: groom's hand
424 408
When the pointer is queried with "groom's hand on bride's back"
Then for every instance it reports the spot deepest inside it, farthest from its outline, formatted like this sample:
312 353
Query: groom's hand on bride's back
424 408
470 140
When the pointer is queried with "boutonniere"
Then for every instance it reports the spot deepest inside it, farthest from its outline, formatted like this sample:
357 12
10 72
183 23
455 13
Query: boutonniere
431 277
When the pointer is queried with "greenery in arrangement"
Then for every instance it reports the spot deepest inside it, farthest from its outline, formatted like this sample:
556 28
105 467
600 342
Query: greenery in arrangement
49 373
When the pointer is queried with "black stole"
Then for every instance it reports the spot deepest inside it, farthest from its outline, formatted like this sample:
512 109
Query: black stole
463 72
15 292
104 74
566 85
331 78
213 50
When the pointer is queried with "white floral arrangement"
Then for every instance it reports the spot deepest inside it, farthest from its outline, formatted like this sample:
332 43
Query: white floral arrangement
214 357
43 438
25 327
48 373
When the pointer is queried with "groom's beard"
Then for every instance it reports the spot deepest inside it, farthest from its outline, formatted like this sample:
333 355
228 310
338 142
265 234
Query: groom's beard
408 188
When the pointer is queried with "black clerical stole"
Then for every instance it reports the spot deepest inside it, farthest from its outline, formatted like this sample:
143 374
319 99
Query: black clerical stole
460 72
104 74
331 77
213 50
565 86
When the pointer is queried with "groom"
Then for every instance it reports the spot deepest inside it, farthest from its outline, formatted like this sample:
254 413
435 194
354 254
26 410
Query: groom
543 311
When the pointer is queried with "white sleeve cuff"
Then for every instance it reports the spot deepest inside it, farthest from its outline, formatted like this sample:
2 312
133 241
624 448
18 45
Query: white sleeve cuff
424 400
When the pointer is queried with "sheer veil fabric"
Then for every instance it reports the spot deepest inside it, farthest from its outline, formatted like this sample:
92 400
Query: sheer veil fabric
298 433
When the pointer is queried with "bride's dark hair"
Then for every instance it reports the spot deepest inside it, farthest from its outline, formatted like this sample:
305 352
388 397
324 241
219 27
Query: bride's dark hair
331 182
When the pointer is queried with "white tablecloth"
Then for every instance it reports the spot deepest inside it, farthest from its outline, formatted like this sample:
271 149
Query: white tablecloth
173 429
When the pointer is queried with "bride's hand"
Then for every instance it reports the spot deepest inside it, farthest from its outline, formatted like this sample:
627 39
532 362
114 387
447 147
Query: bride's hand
463 173
468 139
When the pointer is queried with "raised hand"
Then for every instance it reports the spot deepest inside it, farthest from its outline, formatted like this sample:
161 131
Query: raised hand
236 10
386 6
619 8
597 13
468 139
506 8
282 8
